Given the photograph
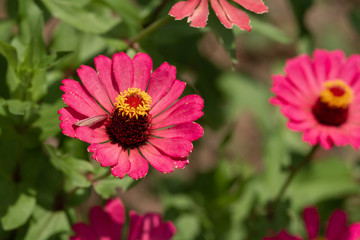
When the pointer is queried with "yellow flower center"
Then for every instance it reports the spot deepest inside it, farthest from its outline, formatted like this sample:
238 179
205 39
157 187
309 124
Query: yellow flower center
133 103
336 94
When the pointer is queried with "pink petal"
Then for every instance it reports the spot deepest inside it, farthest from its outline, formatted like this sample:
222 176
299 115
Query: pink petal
106 154
256 6
142 70
68 117
92 83
352 233
311 136
161 81
123 165
164 231
139 166
116 211
190 131
301 126
337 60
289 93
183 9
84 232
351 70
148 227
312 222
158 160
123 71
327 64
282 235
295 113
101 223
336 225
200 15
104 67
135 226
89 135
187 109
149 222
174 93
79 99
324 139
180 163
174 147
236 16
220 13
299 71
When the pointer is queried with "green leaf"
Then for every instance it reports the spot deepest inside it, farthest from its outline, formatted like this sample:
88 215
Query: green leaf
74 169
6 27
300 8
47 224
18 107
19 212
321 180
48 120
93 22
106 187
354 17
38 84
188 227
117 44
270 31
9 52
244 94
128 12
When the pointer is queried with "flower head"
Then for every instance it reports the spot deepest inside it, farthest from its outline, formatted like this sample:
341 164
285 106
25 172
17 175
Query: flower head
108 224
320 97
336 229
131 115
197 12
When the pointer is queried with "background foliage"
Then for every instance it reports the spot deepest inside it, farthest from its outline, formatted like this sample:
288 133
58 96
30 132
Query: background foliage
47 181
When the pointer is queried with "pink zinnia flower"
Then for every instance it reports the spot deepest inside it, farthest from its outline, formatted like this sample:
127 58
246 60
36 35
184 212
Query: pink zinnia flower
108 224
337 228
197 12
131 115
320 97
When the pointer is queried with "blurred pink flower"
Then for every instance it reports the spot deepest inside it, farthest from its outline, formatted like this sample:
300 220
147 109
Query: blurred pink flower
197 12
107 224
336 229
131 115
320 97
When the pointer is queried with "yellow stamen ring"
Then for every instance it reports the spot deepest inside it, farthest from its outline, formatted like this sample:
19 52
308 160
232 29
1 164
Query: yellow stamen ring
133 103
336 94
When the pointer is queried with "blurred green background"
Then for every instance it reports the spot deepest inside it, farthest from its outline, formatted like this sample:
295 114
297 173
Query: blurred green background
235 169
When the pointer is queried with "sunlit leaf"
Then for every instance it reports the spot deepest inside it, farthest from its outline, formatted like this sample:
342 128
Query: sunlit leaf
71 13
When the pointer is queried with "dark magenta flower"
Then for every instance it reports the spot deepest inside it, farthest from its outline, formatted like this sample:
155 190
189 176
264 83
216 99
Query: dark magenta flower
107 224
336 229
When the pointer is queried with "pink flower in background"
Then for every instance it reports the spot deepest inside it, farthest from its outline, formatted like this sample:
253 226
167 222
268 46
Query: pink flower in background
108 224
131 115
336 229
320 97
197 12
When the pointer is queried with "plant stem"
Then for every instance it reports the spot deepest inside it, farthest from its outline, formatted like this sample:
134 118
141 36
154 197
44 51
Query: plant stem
293 170
148 30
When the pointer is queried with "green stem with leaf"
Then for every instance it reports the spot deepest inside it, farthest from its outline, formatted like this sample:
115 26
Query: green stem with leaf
293 171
